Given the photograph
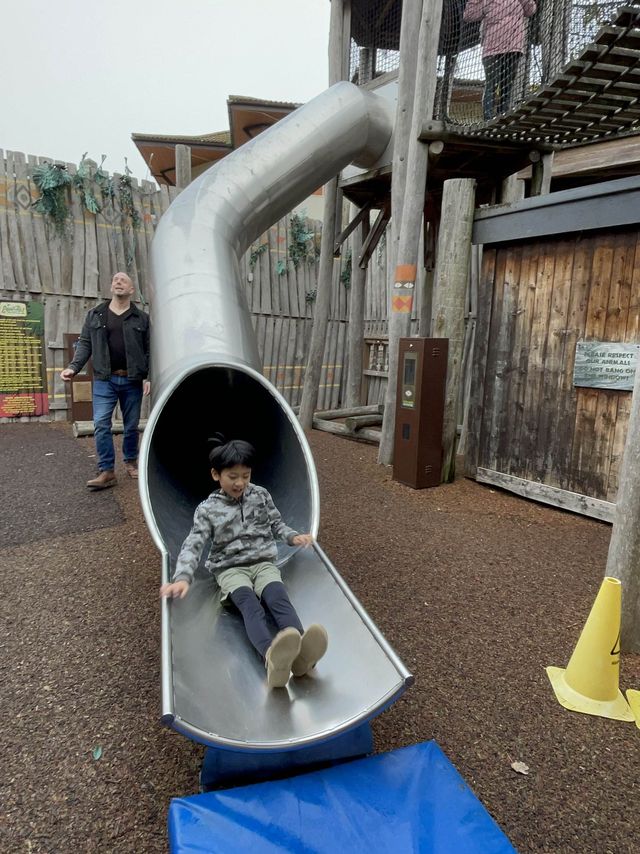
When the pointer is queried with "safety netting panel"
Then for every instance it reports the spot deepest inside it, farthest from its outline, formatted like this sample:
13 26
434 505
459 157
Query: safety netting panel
375 39
492 54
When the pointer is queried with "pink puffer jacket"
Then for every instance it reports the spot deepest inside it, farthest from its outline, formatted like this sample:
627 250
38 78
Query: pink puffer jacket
502 23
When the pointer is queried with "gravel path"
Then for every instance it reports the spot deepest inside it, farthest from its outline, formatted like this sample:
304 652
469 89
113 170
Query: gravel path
477 590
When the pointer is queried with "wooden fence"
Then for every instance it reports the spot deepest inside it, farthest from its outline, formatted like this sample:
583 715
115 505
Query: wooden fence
70 274
281 296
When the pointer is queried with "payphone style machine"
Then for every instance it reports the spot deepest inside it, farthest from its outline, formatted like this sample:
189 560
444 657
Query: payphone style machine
422 377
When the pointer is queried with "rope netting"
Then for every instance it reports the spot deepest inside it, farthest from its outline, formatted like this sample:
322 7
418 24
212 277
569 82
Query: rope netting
492 54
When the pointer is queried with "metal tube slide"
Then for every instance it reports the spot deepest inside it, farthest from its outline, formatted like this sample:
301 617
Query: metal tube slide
206 378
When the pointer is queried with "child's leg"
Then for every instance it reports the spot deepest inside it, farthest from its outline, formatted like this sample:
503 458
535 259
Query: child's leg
276 598
253 615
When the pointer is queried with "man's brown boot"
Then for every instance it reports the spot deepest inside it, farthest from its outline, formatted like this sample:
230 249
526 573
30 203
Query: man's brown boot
102 481
131 468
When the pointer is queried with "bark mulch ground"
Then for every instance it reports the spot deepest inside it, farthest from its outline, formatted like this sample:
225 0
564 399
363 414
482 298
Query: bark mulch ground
477 590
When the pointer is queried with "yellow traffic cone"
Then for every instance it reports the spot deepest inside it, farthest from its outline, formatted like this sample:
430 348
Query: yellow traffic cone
590 682
633 697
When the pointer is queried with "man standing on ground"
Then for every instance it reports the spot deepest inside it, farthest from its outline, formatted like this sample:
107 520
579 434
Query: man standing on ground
116 335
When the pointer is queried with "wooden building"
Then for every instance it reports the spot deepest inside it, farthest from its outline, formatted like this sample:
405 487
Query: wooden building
558 270
573 123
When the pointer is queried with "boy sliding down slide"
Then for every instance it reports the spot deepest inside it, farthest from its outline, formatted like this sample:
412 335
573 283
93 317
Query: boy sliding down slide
242 523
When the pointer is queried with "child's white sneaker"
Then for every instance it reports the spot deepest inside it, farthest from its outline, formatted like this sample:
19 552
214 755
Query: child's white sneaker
284 649
314 645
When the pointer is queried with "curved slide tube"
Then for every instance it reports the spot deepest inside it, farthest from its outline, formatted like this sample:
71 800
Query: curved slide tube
206 378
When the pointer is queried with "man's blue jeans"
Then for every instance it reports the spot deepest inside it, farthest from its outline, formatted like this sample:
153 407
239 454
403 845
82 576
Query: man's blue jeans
106 394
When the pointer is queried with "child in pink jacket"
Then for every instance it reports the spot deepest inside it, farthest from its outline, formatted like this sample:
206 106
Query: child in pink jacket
503 43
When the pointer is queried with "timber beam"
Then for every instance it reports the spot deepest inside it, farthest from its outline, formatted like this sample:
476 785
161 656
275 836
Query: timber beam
355 222
377 230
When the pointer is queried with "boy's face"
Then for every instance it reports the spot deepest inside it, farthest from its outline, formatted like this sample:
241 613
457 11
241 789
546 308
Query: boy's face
233 481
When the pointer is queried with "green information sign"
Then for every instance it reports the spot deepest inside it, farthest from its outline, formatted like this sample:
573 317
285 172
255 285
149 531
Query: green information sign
605 364
23 376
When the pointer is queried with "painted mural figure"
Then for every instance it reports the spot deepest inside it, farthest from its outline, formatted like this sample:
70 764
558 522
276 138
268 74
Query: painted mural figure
502 36
115 335
242 524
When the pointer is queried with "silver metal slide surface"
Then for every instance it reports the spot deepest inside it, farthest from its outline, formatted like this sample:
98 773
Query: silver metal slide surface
206 378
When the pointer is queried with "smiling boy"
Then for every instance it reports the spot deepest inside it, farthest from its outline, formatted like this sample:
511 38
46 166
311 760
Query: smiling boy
242 524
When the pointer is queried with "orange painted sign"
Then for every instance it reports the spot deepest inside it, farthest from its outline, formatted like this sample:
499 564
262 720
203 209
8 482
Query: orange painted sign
406 273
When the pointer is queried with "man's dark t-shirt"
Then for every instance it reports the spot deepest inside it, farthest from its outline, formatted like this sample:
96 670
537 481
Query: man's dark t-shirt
115 340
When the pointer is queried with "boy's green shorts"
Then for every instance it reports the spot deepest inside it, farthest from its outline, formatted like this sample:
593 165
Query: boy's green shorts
256 576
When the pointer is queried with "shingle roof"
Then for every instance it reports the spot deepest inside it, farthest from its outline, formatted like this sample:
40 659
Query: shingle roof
221 137
243 99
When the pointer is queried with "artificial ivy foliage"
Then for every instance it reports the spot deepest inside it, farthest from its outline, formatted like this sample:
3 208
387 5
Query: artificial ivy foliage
256 253
81 182
345 275
55 185
125 197
302 245
53 182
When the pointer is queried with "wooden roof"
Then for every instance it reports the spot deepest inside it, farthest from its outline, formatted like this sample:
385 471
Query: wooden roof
247 118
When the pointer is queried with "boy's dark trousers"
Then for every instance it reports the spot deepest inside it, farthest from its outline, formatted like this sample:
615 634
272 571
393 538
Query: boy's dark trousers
276 600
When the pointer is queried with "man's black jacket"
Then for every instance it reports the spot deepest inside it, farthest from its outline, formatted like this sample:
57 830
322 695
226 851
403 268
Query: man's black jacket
93 343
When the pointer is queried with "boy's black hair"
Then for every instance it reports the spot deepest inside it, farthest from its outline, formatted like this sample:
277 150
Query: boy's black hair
225 455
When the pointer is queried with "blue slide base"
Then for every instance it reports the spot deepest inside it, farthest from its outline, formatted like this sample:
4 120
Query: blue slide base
225 768
408 800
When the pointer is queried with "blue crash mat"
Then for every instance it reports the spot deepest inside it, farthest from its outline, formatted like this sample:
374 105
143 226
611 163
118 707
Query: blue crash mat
408 800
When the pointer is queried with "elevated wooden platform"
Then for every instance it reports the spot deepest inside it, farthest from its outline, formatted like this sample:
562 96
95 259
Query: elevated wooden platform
596 97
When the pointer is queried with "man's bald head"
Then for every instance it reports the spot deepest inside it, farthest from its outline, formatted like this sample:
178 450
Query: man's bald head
121 285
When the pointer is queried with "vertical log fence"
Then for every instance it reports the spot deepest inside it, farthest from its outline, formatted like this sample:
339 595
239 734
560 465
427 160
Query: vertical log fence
70 273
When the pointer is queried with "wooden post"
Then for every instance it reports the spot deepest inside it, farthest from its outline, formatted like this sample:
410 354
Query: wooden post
409 31
623 560
479 357
512 189
402 288
426 270
355 329
452 276
347 412
541 170
337 59
435 150
469 347
428 253
355 422
365 65
183 166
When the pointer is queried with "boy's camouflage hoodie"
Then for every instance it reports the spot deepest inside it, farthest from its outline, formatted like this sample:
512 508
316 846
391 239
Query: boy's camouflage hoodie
242 532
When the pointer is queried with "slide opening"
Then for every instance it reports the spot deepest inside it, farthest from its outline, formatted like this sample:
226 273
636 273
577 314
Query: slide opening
235 403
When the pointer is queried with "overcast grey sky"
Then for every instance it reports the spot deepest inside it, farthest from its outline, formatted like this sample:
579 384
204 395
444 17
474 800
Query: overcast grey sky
82 76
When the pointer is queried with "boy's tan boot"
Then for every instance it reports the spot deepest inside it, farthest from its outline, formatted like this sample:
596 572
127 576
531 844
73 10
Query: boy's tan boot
314 645
283 650
102 481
